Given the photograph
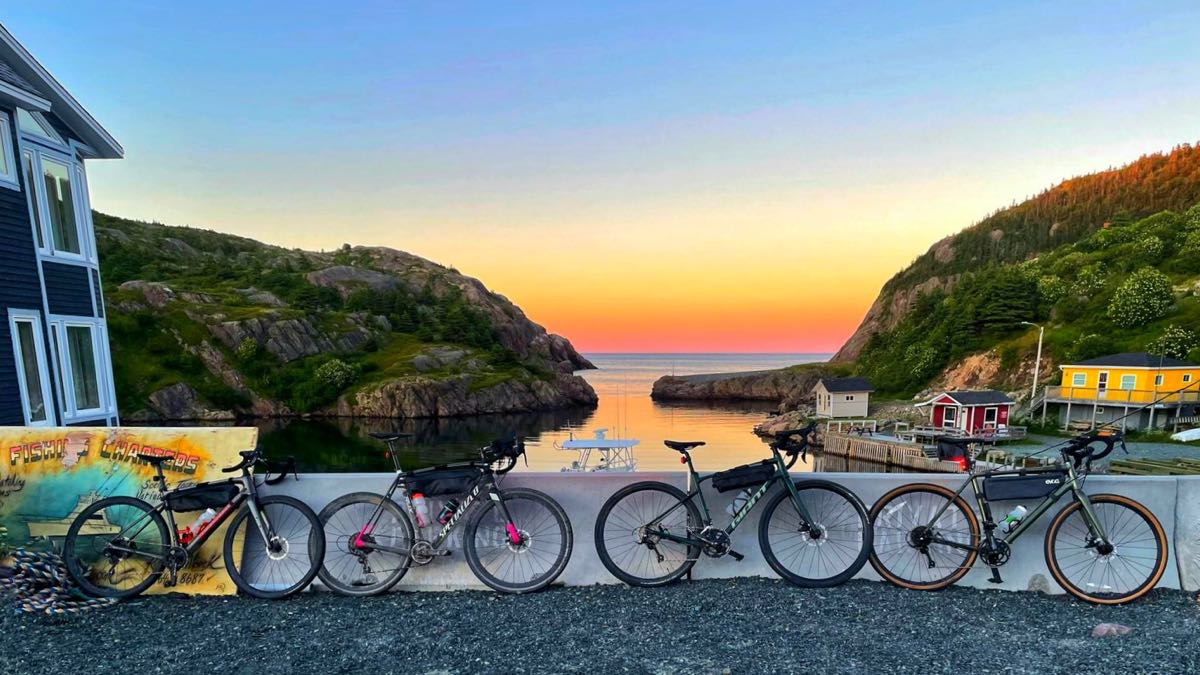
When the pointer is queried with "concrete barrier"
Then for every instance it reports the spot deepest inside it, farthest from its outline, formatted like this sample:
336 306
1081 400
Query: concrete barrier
1175 500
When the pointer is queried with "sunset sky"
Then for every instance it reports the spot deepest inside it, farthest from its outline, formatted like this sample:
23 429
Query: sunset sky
688 177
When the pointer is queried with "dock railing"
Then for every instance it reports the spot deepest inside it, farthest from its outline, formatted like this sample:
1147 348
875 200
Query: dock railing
887 453
1128 397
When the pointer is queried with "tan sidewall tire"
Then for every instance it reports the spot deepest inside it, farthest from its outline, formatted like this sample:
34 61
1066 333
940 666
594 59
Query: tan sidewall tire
948 494
1075 506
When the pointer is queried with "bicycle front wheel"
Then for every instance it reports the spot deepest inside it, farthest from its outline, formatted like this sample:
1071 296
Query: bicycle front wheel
524 554
630 533
824 552
285 565
1113 573
116 548
363 554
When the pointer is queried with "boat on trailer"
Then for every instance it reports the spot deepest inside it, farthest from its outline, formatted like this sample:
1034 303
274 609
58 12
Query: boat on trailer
600 453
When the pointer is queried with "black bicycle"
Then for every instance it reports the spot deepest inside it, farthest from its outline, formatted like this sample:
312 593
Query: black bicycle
517 540
1107 549
120 546
813 533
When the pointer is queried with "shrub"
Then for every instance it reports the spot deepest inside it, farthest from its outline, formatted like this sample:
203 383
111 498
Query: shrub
246 349
1175 342
1145 296
1090 346
1052 289
1089 280
335 374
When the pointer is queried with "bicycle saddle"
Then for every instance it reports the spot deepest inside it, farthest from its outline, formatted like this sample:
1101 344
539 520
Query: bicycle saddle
683 446
154 460
387 437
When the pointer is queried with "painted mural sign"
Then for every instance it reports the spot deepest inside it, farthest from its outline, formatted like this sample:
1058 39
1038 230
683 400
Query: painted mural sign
50 475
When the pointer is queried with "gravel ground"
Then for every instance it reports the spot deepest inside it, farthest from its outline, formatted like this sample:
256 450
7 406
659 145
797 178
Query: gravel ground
734 626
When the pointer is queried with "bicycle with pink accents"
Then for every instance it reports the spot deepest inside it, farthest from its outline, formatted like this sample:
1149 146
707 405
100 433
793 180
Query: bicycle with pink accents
516 540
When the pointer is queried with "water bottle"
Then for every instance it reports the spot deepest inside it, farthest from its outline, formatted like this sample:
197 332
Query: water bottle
421 509
203 521
738 502
1013 519
447 511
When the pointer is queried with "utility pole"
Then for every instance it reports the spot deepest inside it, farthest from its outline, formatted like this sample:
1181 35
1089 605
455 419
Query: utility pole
1037 362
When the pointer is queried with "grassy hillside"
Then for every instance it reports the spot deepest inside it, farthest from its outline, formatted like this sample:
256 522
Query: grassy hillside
255 329
1128 285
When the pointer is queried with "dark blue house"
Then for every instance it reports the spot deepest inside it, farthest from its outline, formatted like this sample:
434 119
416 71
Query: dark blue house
55 367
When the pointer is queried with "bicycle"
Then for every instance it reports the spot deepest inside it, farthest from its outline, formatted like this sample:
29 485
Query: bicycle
813 533
278 538
517 541
1104 548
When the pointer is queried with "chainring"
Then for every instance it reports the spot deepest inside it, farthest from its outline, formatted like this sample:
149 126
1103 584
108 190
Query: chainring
716 542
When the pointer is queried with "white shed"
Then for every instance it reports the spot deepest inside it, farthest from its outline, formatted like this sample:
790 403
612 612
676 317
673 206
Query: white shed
842 396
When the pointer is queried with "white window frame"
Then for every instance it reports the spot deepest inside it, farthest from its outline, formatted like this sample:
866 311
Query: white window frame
1187 377
1102 381
1158 380
38 199
1131 378
1078 379
103 363
951 419
16 316
11 179
52 137
994 413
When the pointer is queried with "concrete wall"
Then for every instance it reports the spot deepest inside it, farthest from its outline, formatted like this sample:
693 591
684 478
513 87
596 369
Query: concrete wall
1172 499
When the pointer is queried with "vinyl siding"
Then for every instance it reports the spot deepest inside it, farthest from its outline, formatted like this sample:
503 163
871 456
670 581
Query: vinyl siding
68 289
19 287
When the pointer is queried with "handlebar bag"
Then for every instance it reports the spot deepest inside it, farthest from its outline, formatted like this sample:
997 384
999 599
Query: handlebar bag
202 496
442 481
747 475
1030 486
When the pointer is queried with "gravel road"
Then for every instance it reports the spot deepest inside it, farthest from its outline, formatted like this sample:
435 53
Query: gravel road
735 626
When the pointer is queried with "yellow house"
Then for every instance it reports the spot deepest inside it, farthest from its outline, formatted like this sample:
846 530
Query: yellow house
1134 390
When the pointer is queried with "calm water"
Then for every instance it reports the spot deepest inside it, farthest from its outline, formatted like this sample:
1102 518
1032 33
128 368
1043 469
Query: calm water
623 383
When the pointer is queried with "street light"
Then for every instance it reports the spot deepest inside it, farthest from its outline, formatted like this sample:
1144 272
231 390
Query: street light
1037 363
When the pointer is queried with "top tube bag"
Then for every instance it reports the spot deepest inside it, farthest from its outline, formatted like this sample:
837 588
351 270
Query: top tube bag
745 476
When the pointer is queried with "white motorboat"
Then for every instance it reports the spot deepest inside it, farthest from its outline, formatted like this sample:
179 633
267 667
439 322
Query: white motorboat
1188 435
600 453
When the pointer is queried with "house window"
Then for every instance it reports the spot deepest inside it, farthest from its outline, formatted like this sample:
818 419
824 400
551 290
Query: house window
1187 377
849 397
1158 380
1079 379
948 416
989 416
1128 381
32 375
83 361
33 124
8 158
60 207
58 204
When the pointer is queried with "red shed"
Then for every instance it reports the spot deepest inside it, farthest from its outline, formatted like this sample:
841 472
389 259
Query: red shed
970 412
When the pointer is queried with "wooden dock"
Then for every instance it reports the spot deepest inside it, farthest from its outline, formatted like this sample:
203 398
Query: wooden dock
888 453
1180 466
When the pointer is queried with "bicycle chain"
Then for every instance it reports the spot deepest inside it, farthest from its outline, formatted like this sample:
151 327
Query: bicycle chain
40 584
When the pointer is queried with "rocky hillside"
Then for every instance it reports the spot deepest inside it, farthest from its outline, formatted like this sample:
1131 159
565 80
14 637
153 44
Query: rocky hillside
1060 216
788 386
207 326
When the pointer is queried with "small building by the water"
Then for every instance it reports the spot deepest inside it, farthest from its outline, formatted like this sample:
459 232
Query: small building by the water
842 396
970 412
1134 390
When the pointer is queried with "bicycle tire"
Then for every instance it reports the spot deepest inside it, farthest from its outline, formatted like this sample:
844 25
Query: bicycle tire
602 535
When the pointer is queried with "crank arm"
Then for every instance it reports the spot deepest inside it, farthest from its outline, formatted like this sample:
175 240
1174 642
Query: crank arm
736 556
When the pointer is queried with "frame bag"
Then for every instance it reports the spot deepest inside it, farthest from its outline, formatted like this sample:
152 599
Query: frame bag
745 476
202 496
442 481
1022 486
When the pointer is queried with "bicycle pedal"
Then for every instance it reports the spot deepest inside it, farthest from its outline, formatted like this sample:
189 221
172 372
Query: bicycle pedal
736 556
996 577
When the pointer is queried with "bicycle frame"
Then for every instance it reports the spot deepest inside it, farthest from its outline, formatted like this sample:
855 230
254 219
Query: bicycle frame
1071 484
781 474
486 480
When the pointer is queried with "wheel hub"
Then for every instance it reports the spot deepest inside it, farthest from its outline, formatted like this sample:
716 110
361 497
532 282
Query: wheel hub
814 535
920 537
523 546
278 549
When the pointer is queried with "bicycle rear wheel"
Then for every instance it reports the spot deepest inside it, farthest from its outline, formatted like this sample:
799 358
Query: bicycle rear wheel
279 568
353 565
911 549
825 552
1091 571
116 548
522 555
633 549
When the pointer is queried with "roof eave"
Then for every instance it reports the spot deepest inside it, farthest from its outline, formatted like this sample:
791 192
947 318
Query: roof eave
58 99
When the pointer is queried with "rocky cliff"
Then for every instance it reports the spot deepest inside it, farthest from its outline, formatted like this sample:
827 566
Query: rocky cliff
788 386
210 326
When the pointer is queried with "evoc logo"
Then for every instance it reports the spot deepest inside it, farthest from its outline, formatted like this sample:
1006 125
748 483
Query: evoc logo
1053 481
